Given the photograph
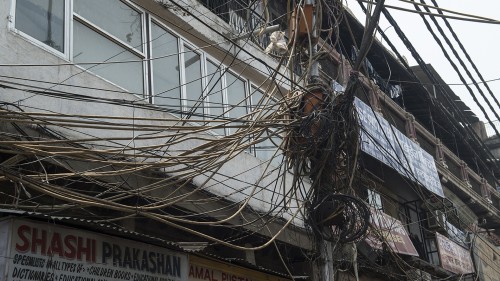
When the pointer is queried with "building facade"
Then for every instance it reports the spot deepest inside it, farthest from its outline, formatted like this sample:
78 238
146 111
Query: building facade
181 140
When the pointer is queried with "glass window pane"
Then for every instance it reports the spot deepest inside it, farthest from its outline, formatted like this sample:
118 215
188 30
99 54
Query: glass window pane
192 64
166 73
257 97
236 99
42 20
89 46
125 22
214 90
214 94
375 200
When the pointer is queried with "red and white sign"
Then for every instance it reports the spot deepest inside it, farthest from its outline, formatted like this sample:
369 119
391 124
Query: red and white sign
453 257
39 251
388 230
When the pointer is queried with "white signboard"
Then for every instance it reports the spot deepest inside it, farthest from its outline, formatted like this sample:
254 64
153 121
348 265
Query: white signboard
384 142
453 257
48 252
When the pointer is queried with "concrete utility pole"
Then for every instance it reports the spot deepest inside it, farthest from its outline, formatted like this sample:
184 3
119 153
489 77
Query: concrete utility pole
323 267
314 74
325 261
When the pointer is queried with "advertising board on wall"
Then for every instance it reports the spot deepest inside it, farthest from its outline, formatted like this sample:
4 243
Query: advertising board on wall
387 144
201 269
41 251
453 257
386 229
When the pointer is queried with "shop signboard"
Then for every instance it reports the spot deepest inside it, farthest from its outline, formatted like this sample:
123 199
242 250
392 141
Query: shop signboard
202 269
387 144
453 257
41 251
388 230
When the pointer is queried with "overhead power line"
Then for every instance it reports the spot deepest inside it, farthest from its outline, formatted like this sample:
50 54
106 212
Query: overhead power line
452 31
470 18
471 92
422 64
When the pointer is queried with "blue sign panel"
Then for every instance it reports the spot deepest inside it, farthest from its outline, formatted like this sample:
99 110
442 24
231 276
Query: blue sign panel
387 144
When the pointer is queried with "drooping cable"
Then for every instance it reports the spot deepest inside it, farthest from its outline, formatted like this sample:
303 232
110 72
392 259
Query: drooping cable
471 92
469 59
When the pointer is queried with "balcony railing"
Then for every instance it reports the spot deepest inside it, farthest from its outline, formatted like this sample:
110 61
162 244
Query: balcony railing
242 15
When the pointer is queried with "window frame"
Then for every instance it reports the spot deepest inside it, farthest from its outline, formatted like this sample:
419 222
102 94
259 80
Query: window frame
113 38
227 106
109 36
69 17
252 107
222 72
147 19
68 35
150 60
184 99
144 55
374 198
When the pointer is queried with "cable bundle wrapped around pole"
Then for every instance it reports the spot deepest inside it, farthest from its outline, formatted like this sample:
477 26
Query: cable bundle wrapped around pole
324 145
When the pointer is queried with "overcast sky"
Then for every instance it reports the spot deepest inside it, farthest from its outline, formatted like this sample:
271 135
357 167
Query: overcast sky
481 40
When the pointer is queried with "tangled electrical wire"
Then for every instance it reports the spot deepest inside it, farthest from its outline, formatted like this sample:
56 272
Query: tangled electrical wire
138 166
89 166
340 218
324 146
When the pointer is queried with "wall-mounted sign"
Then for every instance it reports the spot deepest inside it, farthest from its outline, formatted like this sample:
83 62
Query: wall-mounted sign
38 251
385 143
388 230
453 257
201 269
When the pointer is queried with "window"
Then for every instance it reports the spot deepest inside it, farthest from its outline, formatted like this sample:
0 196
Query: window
262 105
42 20
215 94
413 218
165 67
256 98
374 200
236 99
116 41
115 17
432 251
90 46
109 46
193 83
119 42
